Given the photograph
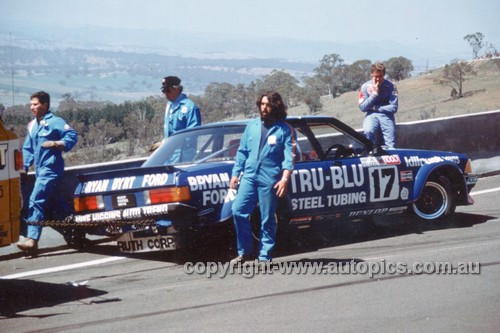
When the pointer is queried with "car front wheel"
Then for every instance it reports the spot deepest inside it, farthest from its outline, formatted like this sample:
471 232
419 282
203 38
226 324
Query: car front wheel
435 201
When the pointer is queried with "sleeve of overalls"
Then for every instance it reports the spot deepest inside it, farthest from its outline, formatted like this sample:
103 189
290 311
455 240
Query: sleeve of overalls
290 145
241 154
366 101
67 135
28 151
392 107
165 123
193 117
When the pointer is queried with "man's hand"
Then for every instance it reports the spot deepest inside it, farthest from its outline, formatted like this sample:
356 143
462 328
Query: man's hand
235 182
375 87
155 146
53 144
281 187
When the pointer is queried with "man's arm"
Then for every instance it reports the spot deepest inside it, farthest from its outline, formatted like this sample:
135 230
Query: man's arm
287 165
68 137
193 117
392 106
366 101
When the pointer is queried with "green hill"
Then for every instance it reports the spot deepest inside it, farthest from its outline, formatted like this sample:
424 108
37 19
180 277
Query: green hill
420 98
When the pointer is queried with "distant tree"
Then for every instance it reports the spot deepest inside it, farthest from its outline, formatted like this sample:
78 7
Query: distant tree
218 100
398 68
328 72
246 97
312 94
491 50
283 83
455 74
16 118
476 42
358 73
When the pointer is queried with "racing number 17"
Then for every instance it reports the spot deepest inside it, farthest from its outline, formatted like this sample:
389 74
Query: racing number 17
384 185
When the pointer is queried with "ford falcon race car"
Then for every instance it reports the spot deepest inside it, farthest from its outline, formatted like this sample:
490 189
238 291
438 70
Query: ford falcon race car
338 175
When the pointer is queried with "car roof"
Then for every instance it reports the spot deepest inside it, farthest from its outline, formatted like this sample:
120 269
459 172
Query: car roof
294 121
290 119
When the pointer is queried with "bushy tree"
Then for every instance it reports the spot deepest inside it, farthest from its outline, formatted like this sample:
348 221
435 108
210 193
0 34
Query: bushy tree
312 94
282 82
398 68
358 73
328 72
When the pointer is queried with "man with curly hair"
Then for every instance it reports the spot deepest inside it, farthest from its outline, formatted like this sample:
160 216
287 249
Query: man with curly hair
264 163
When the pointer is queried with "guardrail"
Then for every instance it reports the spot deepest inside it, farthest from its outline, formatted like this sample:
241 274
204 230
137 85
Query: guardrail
476 135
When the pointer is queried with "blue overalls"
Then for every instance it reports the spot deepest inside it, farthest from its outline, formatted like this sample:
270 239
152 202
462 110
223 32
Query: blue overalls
260 173
49 166
181 114
380 110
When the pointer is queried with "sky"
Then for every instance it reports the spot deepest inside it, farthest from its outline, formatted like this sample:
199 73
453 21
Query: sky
427 23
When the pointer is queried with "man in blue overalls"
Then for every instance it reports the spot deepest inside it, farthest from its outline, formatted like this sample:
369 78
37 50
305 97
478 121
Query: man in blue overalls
378 98
264 163
48 136
180 112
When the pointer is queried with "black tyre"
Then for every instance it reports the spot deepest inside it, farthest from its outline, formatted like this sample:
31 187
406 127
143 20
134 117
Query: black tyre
436 201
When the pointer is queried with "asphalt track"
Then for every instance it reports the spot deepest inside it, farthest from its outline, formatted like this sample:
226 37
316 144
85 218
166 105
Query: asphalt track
65 290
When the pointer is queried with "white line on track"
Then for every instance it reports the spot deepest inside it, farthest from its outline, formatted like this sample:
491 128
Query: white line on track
485 191
62 268
111 259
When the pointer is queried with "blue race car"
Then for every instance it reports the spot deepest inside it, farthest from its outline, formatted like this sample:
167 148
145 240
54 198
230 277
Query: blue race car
338 175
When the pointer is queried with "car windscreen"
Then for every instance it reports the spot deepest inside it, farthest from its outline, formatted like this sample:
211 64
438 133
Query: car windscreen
199 145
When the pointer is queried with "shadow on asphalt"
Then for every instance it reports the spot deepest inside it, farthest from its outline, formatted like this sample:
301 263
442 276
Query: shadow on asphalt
219 245
20 295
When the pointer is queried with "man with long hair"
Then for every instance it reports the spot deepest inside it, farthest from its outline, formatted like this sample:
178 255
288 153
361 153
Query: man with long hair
264 163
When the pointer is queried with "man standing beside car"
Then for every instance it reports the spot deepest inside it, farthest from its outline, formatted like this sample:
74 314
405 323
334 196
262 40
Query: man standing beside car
48 136
180 112
264 163
378 98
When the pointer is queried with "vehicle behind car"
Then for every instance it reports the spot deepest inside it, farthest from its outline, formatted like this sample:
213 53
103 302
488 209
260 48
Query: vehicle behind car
10 190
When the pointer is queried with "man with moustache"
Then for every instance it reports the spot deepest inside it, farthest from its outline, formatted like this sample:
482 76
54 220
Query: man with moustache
264 163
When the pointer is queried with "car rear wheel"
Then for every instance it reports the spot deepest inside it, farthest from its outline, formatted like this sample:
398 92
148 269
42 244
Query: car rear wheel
436 200
281 228
256 225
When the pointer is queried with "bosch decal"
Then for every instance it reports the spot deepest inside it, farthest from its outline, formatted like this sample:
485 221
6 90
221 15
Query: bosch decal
379 160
